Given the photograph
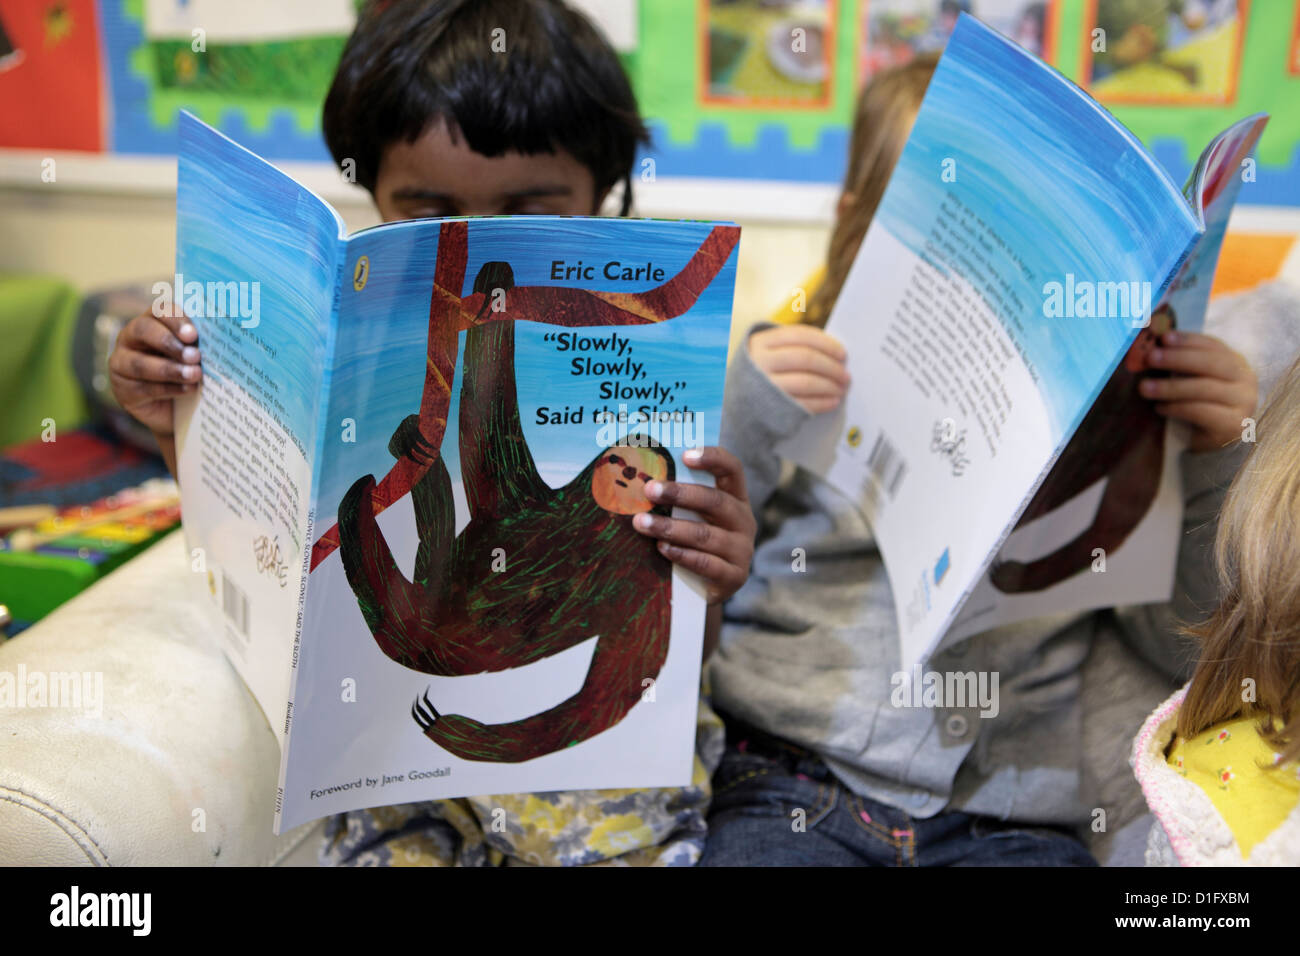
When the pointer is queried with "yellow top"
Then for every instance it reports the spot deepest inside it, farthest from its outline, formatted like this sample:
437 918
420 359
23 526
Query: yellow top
1232 764
793 311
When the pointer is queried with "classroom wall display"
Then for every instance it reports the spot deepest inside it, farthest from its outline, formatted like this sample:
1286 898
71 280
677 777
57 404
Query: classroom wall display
50 75
735 90
1163 51
257 70
1295 41
893 31
762 53
696 135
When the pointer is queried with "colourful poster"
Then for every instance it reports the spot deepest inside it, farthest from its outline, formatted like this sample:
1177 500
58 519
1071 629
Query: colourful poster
894 31
760 52
1294 59
1162 51
258 70
50 75
741 90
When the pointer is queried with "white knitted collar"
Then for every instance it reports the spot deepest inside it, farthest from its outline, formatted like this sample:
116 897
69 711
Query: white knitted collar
1197 833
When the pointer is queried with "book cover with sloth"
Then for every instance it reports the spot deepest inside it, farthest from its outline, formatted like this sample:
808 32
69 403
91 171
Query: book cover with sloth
537 569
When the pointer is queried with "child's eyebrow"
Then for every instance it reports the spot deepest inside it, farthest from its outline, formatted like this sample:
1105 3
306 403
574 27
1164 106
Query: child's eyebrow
415 192
556 189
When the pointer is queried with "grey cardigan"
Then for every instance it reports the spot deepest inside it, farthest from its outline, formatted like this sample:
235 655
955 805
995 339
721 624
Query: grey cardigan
808 655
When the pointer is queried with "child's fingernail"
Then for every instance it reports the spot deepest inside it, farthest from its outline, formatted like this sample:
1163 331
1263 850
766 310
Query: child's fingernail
1157 355
190 371
643 521
692 456
1171 338
653 489
1148 387
189 354
187 329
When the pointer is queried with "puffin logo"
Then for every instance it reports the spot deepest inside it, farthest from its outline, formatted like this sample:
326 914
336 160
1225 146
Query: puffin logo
103 909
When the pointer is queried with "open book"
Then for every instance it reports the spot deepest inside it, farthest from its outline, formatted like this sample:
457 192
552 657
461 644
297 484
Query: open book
1026 255
410 475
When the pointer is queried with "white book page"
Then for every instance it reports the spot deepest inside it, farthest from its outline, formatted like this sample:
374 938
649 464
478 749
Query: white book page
897 447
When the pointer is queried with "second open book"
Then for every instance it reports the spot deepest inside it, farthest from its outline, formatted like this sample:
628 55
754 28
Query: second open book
1024 259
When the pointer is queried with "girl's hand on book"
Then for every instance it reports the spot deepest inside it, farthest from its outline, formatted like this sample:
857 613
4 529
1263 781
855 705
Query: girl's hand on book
718 548
1212 387
804 362
155 359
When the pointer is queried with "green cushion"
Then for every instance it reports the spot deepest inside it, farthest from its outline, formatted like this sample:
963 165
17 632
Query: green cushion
37 319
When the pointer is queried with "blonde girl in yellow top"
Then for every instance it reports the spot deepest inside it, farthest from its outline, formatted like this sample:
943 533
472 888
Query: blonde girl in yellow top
1219 762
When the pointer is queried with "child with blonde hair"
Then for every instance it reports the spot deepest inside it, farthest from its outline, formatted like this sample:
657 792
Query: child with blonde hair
1219 762
821 768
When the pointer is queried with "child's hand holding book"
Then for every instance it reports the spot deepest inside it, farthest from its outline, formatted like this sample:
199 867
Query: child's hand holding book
720 547
156 358
804 362
1213 388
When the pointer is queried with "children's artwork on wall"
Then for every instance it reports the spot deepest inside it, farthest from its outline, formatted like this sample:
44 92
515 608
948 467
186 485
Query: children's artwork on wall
258 70
246 48
699 135
894 31
1164 51
748 91
10 55
1295 42
759 52
50 75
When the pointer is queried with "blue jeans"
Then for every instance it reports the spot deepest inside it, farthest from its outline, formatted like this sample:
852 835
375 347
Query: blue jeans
775 804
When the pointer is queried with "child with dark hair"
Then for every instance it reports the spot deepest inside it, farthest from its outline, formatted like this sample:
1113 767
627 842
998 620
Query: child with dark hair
483 108
489 78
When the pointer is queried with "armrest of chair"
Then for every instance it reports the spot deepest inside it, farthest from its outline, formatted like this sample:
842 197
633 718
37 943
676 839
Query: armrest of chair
145 747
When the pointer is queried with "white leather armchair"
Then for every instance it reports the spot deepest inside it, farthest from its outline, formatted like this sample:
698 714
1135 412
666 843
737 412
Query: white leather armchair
173 765
120 781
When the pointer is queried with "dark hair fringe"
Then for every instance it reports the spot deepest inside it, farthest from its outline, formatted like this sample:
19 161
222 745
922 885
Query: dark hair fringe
558 85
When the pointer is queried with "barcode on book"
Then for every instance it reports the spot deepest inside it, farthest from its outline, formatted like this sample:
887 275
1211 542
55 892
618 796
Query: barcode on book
886 464
234 602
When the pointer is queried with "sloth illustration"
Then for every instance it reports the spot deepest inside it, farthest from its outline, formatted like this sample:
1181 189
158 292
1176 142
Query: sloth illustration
574 568
451 312
1121 441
